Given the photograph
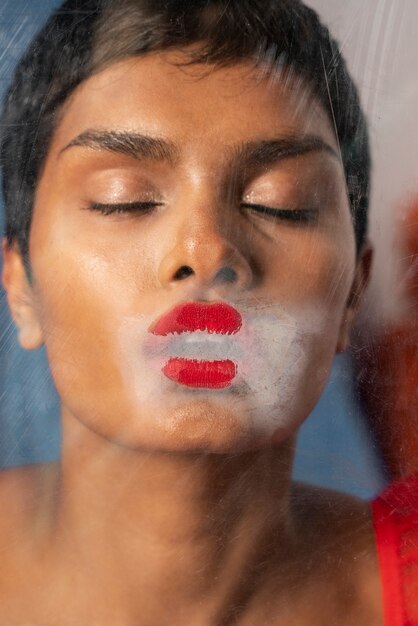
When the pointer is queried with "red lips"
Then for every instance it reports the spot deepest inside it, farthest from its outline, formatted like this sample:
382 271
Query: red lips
218 318
200 374
214 318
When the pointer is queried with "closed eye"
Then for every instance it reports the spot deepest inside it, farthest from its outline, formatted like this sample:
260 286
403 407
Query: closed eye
123 207
292 215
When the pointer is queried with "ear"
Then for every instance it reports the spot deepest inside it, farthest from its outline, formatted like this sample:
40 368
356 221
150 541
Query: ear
20 297
360 282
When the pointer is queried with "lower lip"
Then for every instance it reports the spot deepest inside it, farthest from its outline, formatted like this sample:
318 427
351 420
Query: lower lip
200 374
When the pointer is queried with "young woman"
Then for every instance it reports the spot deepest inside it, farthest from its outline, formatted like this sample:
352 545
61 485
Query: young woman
186 186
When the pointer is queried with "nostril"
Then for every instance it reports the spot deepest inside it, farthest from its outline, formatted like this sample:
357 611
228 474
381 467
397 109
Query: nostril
183 272
226 275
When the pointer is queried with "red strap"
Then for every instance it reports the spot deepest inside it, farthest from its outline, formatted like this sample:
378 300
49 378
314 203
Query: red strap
395 521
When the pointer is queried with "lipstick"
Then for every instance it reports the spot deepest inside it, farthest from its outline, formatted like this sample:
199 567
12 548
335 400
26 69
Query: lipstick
198 319
216 317
200 374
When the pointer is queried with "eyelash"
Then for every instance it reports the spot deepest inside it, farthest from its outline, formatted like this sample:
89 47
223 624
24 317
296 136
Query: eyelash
292 215
124 207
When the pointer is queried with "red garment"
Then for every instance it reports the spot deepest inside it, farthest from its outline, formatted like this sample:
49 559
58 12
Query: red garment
395 520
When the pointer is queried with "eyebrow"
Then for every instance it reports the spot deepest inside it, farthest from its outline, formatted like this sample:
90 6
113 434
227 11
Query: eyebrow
262 153
131 144
140 146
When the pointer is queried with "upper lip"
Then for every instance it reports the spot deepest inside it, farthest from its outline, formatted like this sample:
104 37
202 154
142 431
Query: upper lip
212 317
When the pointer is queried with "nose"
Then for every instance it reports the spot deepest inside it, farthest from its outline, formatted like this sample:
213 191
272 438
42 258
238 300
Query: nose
207 249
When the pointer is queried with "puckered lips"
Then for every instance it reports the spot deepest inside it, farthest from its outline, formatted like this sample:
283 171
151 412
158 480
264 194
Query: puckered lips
212 318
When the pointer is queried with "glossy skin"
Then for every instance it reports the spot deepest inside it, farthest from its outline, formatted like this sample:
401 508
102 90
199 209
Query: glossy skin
98 274
126 265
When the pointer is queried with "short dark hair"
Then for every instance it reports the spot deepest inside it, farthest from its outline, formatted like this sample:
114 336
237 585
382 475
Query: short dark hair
83 36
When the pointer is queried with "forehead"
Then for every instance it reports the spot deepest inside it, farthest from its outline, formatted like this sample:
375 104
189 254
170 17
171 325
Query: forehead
208 106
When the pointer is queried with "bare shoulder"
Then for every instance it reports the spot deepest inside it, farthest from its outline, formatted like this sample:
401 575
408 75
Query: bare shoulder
335 524
336 531
329 575
24 492
331 515
26 478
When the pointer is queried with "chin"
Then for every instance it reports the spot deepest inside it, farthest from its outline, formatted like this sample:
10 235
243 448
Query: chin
196 424
203 426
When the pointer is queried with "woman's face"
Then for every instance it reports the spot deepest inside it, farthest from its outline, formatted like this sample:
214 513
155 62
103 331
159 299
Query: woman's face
193 255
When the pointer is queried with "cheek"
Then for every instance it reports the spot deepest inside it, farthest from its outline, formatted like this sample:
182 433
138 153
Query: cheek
87 277
312 270
80 250
81 299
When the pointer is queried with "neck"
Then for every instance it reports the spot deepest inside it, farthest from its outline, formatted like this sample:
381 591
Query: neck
183 527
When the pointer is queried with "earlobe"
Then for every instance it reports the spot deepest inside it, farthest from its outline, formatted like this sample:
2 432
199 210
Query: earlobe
355 297
20 298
